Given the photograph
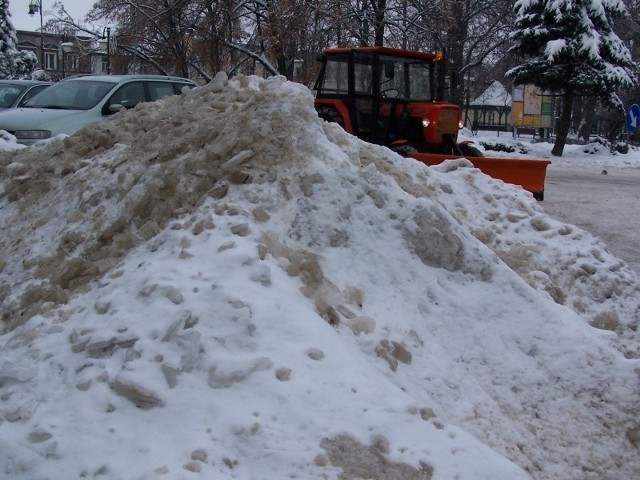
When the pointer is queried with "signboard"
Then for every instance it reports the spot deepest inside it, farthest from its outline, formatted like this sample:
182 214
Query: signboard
532 100
531 107
633 118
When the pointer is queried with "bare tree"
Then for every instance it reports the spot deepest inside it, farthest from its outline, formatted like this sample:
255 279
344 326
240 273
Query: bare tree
270 36
471 32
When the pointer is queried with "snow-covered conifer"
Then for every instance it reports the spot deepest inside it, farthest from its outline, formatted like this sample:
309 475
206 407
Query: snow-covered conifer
569 47
13 63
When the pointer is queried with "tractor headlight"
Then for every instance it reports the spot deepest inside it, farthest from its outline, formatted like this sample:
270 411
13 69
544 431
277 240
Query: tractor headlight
461 124
33 134
426 122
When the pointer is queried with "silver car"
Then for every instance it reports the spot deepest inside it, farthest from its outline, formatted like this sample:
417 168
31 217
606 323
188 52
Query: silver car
14 93
74 103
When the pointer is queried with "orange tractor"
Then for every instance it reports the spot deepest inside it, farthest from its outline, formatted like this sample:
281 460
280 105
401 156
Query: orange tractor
395 97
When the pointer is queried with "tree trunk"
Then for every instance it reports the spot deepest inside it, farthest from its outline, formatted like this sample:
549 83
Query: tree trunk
457 34
363 27
588 115
281 61
380 9
565 123
577 110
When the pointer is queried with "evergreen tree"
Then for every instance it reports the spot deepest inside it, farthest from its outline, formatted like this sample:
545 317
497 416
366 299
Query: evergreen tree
13 63
569 47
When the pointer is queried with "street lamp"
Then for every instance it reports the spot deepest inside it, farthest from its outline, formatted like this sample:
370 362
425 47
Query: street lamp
104 43
35 6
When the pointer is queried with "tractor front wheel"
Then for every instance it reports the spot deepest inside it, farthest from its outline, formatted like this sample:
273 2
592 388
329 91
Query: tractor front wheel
403 149
469 150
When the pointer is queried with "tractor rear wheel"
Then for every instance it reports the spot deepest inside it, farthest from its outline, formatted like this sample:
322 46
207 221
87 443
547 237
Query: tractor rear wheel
330 114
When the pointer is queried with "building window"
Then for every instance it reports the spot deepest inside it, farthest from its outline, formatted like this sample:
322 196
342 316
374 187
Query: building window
73 62
50 61
104 66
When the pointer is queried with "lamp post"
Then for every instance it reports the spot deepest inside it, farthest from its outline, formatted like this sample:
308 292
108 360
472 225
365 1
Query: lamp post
105 44
66 48
297 70
64 41
35 6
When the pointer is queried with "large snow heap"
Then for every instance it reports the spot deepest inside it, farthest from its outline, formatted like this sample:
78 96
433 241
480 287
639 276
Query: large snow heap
221 285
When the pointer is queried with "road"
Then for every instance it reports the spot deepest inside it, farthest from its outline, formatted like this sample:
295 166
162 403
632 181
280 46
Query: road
606 203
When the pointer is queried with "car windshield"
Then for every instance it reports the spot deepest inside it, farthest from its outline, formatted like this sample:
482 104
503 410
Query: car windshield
71 95
8 94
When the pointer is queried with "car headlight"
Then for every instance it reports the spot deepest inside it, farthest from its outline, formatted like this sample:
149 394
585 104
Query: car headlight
33 134
461 124
426 122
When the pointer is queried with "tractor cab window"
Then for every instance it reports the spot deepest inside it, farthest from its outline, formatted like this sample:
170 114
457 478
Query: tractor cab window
406 79
336 75
363 74
364 99
392 78
421 81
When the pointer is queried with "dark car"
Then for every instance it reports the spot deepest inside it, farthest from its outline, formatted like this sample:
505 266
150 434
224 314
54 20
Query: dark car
14 93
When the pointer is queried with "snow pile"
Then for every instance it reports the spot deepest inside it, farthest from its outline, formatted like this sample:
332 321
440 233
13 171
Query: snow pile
221 285
567 263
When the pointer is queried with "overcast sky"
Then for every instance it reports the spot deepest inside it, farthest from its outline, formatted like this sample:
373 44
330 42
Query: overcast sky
23 21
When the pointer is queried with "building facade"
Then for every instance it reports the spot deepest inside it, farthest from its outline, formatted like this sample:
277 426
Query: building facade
63 55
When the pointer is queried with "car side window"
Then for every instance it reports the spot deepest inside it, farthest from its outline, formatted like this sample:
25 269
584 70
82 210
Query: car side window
8 95
31 93
179 86
158 90
129 95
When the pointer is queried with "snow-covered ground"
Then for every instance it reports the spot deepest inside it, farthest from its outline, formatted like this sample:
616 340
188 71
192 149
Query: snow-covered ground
220 285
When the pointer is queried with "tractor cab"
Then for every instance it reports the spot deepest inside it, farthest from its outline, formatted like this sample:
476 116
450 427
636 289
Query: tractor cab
389 97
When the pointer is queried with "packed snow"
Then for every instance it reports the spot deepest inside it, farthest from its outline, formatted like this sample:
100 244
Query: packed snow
221 285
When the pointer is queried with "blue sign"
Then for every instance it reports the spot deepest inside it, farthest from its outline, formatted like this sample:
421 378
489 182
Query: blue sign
633 118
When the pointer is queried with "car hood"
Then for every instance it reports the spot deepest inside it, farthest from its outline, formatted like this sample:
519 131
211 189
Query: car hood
56 120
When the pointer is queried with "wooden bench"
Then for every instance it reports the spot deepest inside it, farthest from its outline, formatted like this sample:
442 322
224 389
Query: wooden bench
476 127
525 131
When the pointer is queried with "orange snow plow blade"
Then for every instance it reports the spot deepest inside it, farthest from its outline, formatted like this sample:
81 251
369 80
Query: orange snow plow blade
529 174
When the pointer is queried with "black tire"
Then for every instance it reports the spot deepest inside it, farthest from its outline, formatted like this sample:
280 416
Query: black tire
330 114
469 150
404 150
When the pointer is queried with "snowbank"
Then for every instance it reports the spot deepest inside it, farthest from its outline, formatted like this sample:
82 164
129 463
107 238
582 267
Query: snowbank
221 285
